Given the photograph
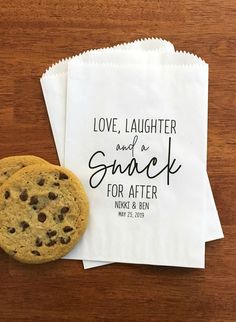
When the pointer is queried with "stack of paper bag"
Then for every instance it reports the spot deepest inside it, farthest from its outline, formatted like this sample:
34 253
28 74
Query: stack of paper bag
131 122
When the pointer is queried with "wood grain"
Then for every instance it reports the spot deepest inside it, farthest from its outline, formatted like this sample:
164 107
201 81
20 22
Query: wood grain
34 34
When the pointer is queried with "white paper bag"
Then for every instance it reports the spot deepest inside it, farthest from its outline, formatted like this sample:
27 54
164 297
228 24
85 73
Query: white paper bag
168 229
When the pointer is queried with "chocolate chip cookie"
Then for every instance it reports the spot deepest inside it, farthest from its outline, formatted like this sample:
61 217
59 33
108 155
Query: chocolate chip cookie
43 213
10 165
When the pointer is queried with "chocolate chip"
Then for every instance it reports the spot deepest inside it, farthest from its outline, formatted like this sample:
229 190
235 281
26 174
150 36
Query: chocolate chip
51 243
7 194
61 217
67 229
5 173
65 240
38 242
33 200
11 230
24 195
42 217
24 225
52 196
41 182
63 176
12 252
56 184
64 210
51 233
34 207
35 252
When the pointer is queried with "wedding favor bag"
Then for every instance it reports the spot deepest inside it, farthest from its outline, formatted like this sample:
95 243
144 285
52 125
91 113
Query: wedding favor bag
136 136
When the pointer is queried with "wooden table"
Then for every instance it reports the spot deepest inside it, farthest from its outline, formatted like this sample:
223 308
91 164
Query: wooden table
34 34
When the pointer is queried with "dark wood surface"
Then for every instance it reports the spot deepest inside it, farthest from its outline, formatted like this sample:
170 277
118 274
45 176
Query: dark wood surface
34 34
